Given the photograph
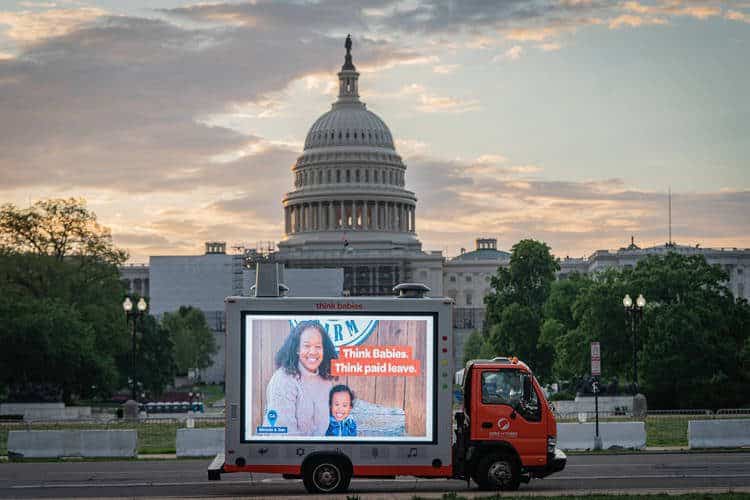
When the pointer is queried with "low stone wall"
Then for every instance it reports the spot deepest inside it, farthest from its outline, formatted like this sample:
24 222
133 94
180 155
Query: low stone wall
631 435
21 408
72 443
719 433
200 442
45 411
586 404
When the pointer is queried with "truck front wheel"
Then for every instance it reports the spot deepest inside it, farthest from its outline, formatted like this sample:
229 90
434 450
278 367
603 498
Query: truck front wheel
326 476
498 472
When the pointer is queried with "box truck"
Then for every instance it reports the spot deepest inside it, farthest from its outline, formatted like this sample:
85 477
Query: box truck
326 389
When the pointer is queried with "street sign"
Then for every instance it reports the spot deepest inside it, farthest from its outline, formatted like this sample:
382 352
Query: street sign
596 360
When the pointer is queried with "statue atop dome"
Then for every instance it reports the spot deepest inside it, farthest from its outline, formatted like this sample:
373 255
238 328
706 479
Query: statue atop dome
348 65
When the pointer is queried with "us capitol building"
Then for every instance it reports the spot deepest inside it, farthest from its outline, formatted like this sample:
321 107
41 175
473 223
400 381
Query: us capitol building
350 229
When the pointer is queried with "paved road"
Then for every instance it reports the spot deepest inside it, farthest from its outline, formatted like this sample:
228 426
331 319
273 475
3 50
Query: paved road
634 473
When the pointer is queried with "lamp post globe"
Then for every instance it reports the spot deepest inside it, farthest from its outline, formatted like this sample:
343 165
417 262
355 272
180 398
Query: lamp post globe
127 305
142 305
640 301
627 301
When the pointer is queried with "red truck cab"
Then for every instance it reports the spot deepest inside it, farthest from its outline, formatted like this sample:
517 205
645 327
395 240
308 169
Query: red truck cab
506 432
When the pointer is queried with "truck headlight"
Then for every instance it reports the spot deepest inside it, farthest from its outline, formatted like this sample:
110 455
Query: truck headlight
551 444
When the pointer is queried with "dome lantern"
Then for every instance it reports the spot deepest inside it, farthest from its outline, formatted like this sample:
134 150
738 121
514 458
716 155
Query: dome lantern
348 76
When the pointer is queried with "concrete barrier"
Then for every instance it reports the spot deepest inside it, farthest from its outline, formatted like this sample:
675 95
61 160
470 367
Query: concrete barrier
72 443
630 435
45 411
200 442
722 433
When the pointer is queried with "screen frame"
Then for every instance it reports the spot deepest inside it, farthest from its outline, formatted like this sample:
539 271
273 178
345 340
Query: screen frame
243 375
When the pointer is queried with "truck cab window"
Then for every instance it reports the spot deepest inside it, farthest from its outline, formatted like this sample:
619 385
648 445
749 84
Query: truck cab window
512 388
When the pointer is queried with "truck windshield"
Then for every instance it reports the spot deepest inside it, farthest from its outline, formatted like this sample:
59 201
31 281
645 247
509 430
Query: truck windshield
502 387
506 387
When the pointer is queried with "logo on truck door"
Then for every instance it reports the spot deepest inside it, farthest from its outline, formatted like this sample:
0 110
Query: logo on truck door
346 331
503 424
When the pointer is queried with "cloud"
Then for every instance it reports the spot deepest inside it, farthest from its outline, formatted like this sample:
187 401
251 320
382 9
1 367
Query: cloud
634 21
735 15
513 53
29 26
428 101
445 69
462 199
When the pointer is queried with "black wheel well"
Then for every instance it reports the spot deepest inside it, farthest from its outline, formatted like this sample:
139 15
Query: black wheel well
319 456
500 448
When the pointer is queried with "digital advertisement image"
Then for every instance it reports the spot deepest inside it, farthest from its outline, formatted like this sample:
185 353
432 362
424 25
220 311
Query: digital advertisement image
341 377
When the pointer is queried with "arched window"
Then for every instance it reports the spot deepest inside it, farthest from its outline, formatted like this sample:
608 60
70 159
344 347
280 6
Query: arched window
329 176
338 176
376 176
367 175
390 177
356 175
320 177
348 175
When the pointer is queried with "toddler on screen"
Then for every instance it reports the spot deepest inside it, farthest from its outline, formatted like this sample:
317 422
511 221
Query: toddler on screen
341 401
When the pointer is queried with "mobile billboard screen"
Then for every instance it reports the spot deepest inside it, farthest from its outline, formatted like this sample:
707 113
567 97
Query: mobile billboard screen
340 377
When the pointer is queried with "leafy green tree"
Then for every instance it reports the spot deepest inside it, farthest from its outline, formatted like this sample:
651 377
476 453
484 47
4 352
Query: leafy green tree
694 334
61 323
155 365
476 347
515 310
194 342
600 317
527 280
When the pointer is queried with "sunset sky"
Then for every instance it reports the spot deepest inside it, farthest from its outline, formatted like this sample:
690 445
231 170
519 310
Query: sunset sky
560 120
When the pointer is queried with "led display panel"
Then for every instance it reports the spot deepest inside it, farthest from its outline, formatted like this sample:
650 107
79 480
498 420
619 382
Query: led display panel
338 377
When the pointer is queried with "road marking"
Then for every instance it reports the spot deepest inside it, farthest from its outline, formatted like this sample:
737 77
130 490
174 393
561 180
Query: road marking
248 482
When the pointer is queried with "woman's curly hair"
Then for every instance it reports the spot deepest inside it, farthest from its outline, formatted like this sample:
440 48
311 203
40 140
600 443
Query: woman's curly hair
288 356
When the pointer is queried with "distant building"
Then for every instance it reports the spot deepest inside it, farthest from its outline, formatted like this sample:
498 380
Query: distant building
735 261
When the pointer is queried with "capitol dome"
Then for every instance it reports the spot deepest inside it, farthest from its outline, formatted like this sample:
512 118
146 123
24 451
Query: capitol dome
349 181
349 124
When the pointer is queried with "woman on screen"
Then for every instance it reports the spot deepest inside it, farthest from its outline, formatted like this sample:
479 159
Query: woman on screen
298 392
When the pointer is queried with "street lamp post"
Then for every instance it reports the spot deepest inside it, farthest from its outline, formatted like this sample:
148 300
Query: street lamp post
634 313
133 316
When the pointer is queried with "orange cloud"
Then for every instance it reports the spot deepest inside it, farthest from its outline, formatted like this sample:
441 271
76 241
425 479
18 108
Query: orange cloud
30 26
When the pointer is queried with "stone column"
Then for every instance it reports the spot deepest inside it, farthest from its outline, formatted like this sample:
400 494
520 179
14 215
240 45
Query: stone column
413 219
295 208
318 214
287 227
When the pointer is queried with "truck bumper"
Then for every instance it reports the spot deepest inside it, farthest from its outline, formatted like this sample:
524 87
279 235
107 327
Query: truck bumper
558 461
216 467
555 463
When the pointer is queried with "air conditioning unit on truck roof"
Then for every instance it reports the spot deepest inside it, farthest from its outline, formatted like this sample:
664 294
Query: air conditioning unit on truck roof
327 389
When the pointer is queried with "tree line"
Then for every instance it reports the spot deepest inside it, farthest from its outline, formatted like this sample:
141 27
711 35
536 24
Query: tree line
63 330
693 343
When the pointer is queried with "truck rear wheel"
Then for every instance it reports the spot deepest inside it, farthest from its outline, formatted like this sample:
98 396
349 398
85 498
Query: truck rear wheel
498 472
326 476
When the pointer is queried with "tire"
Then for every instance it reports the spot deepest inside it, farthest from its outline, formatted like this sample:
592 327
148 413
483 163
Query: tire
326 476
498 472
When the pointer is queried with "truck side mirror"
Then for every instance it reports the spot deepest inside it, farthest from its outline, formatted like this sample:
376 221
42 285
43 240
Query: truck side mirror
527 388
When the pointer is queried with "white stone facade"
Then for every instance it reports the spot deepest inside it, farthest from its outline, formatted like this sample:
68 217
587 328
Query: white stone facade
349 207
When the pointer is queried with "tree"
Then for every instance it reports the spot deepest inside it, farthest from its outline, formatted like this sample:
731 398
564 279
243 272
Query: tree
194 342
155 364
61 322
515 310
476 347
527 279
58 228
694 334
